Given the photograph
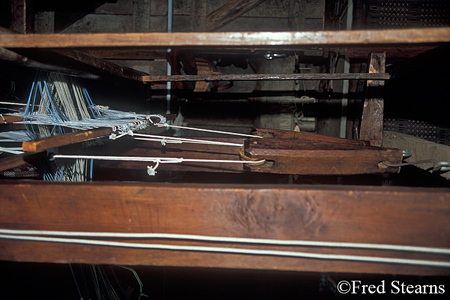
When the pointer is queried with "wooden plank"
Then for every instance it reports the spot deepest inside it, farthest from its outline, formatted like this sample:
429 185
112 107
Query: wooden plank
303 136
228 12
13 161
91 64
325 213
232 39
20 21
306 157
297 14
63 140
100 66
138 54
94 23
256 24
373 110
250 77
16 58
269 8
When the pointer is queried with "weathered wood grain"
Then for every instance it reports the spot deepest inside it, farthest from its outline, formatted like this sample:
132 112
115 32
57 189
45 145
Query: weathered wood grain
228 12
198 15
308 157
386 215
232 39
373 110
250 77
63 140
17 160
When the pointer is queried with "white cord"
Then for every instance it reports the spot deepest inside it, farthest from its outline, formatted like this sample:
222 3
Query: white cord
185 140
221 239
234 251
207 130
11 150
162 160
170 139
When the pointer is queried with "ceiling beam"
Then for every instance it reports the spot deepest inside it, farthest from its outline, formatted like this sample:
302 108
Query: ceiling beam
231 39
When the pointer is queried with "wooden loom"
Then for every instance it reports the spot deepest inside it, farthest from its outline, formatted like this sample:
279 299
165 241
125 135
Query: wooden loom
372 215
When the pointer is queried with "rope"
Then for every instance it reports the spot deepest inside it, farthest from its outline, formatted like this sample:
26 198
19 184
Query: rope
168 139
156 159
234 251
207 130
221 239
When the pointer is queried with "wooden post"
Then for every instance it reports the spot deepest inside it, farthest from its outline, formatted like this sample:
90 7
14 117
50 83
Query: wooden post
198 15
373 111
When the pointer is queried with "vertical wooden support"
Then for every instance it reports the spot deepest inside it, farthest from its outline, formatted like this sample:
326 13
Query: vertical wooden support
20 22
141 15
297 14
45 22
198 15
372 116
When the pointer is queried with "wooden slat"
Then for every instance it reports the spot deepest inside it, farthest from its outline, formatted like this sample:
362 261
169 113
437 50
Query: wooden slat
20 20
85 65
297 14
306 157
13 161
251 77
228 12
373 110
100 66
18 59
303 136
385 215
232 39
63 140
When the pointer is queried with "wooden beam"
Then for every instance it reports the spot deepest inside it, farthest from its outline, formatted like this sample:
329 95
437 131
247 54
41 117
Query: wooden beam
373 110
228 12
232 39
306 157
381 215
17 160
20 13
297 14
63 140
244 77
100 66
18 59
82 64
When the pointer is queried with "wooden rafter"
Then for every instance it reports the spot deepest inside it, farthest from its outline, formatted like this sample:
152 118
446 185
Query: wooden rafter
228 12
67 61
